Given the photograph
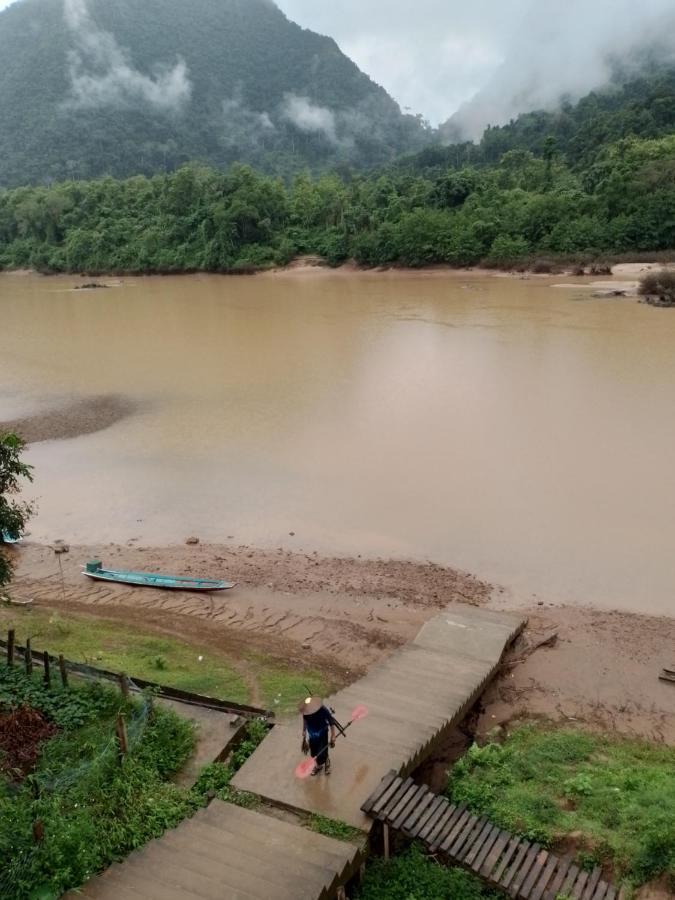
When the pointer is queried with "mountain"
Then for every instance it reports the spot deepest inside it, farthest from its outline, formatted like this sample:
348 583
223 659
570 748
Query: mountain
121 87
636 103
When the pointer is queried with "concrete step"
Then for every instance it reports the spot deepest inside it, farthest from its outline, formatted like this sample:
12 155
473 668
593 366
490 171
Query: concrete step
220 814
264 858
193 874
148 886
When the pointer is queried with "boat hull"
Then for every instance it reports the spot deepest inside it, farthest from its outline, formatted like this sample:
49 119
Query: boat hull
163 582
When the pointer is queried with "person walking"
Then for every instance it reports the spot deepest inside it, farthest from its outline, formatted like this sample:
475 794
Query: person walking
318 732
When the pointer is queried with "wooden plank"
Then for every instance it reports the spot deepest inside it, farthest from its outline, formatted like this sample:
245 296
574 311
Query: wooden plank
470 857
582 880
409 827
466 838
488 844
444 824
524 870
466 820
514 868
509 852
592 883
568 884
387 796
491 859
535 872
544 878
439 807
611 893
414 824
372 801
401 791
406 806
601 891
558 879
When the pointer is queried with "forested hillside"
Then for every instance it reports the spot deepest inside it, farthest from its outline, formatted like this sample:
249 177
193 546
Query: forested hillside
92 87
617 197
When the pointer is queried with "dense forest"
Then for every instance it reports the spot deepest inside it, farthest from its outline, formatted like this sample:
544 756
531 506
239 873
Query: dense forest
542 197
91 88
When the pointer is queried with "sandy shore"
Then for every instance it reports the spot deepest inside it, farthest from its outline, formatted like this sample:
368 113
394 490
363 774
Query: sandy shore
71 419
343 615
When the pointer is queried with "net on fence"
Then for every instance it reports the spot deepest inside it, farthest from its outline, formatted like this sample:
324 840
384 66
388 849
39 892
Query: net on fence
91 724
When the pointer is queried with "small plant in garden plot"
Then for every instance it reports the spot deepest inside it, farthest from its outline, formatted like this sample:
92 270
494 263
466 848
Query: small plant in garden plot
94 805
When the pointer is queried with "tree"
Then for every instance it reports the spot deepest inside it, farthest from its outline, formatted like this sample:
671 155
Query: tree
13 514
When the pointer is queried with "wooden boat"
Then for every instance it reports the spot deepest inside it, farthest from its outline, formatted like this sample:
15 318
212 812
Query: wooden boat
146 579
7 538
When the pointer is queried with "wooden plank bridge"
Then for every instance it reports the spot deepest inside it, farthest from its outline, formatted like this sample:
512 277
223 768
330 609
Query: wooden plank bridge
229 853
414 697
522 869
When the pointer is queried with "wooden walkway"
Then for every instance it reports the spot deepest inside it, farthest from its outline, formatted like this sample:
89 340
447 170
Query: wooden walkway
413 698
228 853
523 870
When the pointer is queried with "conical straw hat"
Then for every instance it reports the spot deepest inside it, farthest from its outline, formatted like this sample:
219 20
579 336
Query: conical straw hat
311 705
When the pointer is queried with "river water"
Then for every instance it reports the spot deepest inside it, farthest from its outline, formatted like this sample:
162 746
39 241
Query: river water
517 430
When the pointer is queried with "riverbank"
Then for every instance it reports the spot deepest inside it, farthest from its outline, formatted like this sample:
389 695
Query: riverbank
622 266
339 616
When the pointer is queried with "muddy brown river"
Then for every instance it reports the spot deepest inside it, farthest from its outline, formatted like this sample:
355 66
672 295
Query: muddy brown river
517 430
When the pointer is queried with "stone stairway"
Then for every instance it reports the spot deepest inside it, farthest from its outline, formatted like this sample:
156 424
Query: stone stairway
229 853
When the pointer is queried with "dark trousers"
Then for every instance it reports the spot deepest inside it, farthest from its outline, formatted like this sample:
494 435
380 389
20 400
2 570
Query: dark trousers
318 747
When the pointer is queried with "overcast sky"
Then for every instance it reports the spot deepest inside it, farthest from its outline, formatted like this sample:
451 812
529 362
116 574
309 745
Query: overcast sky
434 55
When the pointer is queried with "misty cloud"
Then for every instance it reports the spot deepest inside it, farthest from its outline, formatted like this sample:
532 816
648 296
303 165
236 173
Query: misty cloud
435 56
240 122
101 73
306 116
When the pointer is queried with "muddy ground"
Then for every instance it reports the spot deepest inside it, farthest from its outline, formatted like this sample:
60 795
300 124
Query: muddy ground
343 615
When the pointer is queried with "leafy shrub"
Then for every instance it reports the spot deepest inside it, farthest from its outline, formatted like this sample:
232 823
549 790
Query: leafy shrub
94 807
413 876
659 284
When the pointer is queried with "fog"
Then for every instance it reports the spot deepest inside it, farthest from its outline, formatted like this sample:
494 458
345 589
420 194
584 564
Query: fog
101 74
491 59
481 62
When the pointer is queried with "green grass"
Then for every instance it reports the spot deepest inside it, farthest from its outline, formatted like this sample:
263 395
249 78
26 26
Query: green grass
93 806
119 648
283 688
413 876
165 660
334 829
547 783
96 808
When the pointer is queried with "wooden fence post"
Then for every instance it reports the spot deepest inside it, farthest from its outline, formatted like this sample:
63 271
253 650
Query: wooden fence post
48 674
10 647
28 659
124 686
386 842
121 729
38 831
64 671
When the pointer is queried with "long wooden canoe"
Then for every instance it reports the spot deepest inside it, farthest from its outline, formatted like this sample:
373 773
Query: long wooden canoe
147 579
